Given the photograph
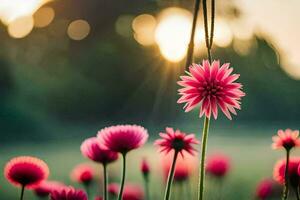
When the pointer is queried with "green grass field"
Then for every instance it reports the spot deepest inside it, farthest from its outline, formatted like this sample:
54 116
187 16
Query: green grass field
250 152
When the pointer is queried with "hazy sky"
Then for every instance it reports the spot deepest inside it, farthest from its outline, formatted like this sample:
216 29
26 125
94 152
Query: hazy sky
280 21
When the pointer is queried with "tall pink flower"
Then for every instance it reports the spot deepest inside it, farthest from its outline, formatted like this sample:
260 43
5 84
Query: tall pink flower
123 138
92 149
212 86
177 141
82 173
218 165
68 193
46 187
26 171
287 139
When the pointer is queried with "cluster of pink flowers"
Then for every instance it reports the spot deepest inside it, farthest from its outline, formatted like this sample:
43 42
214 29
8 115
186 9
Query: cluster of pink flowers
286 170
211 85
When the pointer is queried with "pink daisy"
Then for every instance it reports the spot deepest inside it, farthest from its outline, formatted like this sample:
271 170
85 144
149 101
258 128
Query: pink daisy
279 171
145 168
92 149
123 138
82 173
46 187
212 86
217 165
287 139
177 141
26 171
68 193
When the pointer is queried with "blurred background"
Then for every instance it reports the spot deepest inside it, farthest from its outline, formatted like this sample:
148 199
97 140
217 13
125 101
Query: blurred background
69 68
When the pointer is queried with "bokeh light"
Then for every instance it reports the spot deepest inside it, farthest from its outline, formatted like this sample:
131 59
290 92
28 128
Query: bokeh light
11 10
43 17
20 27
79 29
144 28
172 33
122 25
223 34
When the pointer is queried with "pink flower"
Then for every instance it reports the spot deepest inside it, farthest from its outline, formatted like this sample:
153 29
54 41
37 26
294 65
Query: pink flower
265 189
217 165
82 173
279 170
98 198
92 149
46 187
131 191
211 86
177 141
287 139
26 171
113 189
123 138
185 166
68 193
145 168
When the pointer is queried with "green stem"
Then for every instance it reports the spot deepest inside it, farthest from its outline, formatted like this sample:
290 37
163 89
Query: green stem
286 176
146 182
190 52
22 192
105 181
212 25
202 162
123 177
171 177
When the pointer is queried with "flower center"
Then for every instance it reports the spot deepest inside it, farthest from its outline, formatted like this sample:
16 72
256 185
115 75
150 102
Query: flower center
178 144
211 88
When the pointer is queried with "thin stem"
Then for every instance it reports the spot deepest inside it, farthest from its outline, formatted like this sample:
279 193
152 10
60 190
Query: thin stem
146 182
190 52
22 192
286 176
207 40
123 177
105 181
212 25
171 177
202 162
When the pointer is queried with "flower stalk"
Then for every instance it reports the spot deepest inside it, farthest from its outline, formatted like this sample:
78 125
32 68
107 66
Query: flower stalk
105 181
190 51
286 176
146 183
22 192
123 177
203 155
171 177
